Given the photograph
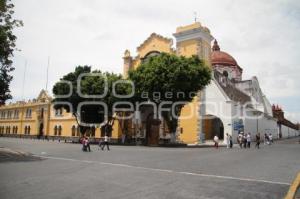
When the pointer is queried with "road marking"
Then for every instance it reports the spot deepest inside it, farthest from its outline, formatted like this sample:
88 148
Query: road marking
293 188
166 170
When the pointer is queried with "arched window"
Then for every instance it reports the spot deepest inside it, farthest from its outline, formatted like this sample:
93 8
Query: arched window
73 130
149 55
16 130
55 130
59 130
8 130
28 129
225 73
25 130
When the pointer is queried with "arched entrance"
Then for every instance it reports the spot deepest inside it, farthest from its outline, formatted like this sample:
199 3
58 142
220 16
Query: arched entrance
152 130
41 130
213 126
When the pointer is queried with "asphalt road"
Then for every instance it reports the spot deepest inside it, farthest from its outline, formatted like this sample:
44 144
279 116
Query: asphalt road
59 170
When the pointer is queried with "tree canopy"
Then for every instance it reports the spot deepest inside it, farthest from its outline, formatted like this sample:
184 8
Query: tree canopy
92 85
172 78
7 47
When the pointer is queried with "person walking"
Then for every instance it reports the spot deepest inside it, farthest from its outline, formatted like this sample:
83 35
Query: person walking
230 141
240 140
216 141
245 140
227 140
270 139
88 147
83 142
248 140
257 140
106 140
100 143
123 138
266 139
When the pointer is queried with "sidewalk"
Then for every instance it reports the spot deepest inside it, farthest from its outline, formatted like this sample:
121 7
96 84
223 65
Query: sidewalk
208 143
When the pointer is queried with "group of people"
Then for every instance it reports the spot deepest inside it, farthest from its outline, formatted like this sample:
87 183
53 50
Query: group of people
244 140
229 141
102 143
107 130
268 139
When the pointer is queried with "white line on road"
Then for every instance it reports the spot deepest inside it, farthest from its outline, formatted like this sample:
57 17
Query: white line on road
166 170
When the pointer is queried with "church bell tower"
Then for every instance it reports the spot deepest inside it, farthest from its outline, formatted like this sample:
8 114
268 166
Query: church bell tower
194 39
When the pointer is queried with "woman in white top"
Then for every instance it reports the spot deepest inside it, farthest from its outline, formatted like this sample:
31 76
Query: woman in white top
216 140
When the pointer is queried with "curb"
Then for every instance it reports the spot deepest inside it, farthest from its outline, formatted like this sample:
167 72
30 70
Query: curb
293 188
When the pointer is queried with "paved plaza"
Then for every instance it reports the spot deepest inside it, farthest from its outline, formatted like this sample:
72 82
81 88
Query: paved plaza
41 169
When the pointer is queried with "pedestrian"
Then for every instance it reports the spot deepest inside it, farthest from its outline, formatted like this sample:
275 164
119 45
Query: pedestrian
216 141
257 140
245 140
100 143
83 142
240 140
248 140
227 140
266 139
270 138
106 139
88 147
123 138
230 141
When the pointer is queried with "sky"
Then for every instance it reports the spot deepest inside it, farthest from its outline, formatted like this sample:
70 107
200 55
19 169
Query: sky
261 35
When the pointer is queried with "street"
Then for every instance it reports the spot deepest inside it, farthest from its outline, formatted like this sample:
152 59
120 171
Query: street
46 169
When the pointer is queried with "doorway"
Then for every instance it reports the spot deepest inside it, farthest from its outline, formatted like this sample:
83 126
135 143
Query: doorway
213 126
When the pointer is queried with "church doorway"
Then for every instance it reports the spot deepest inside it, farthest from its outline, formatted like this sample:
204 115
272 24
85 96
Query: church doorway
213 126
152 130
41 130
150 125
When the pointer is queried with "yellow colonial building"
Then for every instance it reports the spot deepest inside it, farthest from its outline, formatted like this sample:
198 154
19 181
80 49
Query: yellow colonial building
38 118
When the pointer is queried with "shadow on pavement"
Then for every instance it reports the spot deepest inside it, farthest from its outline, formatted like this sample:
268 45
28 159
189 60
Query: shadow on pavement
8 155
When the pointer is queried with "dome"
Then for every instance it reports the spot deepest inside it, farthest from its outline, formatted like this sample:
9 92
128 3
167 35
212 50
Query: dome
221 58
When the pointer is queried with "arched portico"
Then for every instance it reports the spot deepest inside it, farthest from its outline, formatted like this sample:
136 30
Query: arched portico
213 125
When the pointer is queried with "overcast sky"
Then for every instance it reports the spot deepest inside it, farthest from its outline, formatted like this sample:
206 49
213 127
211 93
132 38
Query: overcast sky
263 36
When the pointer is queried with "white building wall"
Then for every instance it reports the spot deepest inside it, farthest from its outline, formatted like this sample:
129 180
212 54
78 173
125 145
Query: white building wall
262 123
288 132
218 105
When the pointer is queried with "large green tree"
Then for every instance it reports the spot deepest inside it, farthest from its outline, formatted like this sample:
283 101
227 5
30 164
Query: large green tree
93 83
7 47
175 78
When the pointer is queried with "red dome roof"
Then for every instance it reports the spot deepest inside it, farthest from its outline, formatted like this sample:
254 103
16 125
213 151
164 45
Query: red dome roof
220 57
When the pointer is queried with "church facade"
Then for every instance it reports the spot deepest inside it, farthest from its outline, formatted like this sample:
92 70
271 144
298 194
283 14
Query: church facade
229 104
